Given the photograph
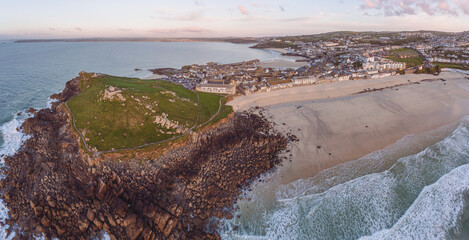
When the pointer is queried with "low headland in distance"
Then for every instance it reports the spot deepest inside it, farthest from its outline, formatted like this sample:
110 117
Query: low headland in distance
142 39
166 159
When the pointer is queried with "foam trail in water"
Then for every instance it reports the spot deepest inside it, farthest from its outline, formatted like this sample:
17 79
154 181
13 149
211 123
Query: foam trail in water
364 205
436 213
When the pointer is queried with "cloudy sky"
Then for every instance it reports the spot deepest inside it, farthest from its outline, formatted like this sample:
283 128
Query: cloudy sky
219 18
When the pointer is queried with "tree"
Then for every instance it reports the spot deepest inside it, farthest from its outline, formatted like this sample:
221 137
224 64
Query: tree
357 65
438 68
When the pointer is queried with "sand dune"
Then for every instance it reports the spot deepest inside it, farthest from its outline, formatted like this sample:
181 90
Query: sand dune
335 124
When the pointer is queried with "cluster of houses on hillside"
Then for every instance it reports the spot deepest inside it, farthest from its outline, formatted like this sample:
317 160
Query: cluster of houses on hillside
350 57
382 64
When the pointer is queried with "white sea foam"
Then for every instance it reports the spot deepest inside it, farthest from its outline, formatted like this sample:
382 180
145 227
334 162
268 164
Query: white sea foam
50 101
394 203
12 140
3 217
437 213
374 162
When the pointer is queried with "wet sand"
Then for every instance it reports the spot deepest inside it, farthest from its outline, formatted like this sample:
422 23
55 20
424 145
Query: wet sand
335 123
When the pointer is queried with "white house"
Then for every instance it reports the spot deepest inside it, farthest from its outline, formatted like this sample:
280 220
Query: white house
216 88
304 80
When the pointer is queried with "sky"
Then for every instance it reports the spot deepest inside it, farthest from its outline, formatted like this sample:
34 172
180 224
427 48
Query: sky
21 19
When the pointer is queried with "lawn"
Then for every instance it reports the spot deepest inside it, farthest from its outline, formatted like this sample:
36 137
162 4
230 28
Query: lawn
209 104
450 65
412 58
128 117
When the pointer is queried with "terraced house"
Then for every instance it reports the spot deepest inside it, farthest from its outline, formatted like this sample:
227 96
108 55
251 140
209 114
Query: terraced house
216 88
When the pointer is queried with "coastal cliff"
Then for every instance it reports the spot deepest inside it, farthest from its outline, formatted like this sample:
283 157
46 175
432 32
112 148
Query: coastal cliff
53 188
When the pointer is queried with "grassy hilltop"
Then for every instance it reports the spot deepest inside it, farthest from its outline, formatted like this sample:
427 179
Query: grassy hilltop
411 57
117 112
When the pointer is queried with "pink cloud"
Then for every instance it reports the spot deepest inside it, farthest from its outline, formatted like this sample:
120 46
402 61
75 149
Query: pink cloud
444 7
243 10
425 7
412 7
78 29
463 5
368 4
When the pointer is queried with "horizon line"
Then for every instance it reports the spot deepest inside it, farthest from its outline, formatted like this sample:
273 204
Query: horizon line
97 38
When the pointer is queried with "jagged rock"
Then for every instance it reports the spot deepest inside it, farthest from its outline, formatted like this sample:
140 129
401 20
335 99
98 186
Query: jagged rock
161 221
146 234
49 190
133 230
90 215
121 208
51 203
83 224
169 227
45 222
60 231
101 190
98 223
149 211
112 237
111 220
129 219
89 191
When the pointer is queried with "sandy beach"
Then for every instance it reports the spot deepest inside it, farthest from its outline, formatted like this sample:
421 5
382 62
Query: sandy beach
279 50
283 63
335 123
154 77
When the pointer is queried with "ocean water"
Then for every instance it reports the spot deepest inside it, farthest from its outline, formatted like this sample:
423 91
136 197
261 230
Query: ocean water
418 196
406 191
31 72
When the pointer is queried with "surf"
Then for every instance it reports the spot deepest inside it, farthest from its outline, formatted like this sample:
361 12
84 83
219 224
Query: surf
366 198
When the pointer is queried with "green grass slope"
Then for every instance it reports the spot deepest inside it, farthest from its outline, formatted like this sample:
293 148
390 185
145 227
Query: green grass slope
412 58
116 112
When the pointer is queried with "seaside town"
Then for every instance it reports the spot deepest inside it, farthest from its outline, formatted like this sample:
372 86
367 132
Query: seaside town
330 57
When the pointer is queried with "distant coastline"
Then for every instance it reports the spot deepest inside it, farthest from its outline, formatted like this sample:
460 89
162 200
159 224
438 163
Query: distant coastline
141 39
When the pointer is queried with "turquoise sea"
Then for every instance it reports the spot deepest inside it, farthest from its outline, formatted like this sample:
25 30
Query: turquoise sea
31 72
418 188
408 190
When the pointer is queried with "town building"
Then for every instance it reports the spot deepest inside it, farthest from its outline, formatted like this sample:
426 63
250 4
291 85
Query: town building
304 80
216 88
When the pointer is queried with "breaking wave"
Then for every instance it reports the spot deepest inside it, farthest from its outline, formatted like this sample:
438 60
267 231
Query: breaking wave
418 196
12 140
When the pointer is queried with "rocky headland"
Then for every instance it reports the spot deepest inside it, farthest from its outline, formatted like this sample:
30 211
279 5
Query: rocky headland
52 187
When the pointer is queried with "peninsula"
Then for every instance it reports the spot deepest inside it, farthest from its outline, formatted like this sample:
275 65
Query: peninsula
56 188
168 158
